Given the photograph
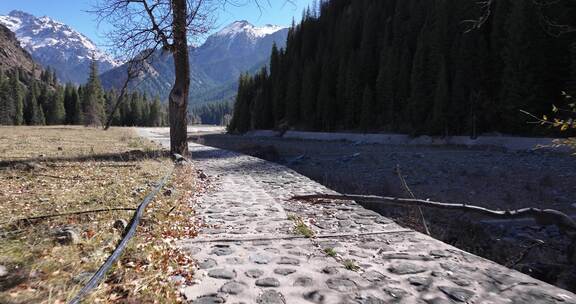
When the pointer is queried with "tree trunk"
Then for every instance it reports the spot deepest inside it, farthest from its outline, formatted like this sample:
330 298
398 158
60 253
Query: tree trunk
178 100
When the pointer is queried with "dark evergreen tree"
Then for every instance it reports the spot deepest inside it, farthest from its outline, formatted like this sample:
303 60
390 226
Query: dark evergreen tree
56 112
93 99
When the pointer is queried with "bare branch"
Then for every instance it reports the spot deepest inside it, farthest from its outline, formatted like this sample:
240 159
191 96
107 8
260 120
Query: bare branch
543 217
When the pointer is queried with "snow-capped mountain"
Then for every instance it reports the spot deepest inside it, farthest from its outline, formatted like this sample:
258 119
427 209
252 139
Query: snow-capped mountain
244 27
216 64
56 45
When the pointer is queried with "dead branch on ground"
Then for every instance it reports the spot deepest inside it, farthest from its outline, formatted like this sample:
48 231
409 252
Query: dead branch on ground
544 217
409 191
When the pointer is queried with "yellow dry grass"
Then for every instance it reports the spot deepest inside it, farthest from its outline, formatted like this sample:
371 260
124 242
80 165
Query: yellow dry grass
49 170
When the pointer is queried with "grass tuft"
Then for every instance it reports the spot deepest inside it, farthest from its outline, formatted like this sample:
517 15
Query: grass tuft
300 227
351 265
330 252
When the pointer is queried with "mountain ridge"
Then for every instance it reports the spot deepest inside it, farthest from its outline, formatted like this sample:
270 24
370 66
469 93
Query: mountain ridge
57 45
215 65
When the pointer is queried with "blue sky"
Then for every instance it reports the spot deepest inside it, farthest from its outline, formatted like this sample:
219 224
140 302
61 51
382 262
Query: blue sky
73 13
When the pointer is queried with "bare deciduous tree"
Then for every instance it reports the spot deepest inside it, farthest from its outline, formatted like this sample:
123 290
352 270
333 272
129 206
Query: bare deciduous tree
140 27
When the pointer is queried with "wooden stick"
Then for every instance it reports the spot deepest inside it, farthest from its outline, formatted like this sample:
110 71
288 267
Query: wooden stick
43 217
543 217
407 188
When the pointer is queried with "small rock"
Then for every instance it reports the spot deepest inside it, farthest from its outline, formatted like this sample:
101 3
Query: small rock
330 270
315 297
284 271
60 149
260 259
223 274
168 192
457 294
271 297
232 288
421 283
254 273
209 299
303 281
222 250
395 293
342 284
207 263
406 268
120 224
67 236
267 282
202 175
374 276
3 271
288 261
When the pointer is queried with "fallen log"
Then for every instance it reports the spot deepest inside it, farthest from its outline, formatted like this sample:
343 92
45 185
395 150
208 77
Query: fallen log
543 217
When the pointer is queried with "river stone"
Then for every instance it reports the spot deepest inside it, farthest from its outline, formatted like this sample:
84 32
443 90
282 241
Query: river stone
234 261
261 243
284 271
395 293
330 270
342 284
288 261
303 281
421 283
222 274
457 294
374 276
271 297
221 251
371 300
407 268
374 246
267 282
209 299
232 288
207 263
254 273
258 258
315 297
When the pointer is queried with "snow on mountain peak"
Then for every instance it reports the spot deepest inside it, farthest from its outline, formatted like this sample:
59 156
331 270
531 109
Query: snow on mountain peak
53 43
243 26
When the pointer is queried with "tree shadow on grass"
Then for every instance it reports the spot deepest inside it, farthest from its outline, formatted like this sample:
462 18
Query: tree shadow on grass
128 156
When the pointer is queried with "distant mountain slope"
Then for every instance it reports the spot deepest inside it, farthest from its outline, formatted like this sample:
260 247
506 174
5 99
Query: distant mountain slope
12 55
216 64
56 45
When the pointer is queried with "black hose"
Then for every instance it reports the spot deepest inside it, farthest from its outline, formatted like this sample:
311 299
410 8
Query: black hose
99 275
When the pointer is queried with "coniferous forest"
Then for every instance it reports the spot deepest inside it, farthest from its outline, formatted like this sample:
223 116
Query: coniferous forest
29 100
411 66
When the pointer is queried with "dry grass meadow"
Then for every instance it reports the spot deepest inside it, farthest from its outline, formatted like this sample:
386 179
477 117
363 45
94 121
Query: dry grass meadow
58 170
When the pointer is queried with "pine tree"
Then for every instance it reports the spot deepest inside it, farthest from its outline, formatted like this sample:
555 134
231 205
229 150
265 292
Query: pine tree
7 107
367 118
57 113
522 65
439 121
94 112
155 117
16 91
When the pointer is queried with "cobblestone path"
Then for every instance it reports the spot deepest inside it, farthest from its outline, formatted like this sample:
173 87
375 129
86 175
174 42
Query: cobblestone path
252 249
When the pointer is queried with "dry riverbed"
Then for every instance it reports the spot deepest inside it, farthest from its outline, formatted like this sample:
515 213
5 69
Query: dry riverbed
56 170
491 178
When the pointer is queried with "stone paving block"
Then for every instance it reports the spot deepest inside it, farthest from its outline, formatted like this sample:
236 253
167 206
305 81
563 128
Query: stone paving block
251 253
